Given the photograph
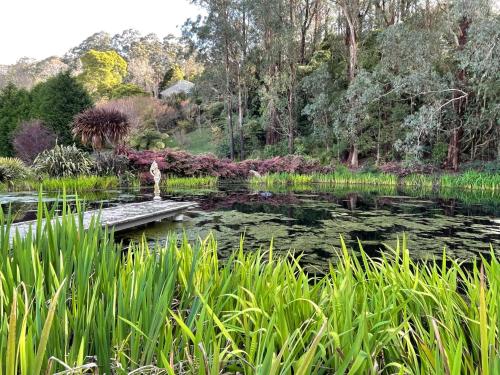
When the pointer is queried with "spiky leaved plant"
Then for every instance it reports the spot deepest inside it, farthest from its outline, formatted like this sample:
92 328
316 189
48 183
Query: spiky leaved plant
12 169
63 161
97 127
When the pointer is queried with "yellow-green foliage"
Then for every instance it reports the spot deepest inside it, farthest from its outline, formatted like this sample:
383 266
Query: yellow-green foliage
102 72
12 169
73 184
472 180
467 180
190 182
338 177
73 297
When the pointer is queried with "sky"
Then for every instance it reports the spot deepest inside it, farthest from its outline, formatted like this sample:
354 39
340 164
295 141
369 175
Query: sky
43 28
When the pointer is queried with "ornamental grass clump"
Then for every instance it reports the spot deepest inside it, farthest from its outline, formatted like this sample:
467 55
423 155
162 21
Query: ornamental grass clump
12 169
72 301
63 161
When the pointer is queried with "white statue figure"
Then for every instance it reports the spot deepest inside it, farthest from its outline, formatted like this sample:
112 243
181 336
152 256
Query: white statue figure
155 172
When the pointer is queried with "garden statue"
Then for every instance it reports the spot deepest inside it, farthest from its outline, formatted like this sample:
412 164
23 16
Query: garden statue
155 172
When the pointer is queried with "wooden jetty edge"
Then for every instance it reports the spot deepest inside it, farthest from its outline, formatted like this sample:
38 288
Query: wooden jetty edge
121 217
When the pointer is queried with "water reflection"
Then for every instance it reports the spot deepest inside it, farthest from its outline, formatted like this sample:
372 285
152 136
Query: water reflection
310 220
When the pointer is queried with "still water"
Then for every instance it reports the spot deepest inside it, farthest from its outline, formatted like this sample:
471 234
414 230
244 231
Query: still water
312 219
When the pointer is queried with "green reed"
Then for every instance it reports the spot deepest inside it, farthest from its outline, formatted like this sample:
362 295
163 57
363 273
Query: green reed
190 182
338 177
80 183
467 180
72 301
472 180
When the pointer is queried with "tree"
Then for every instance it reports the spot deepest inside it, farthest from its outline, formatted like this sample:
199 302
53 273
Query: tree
22 74
102 72
97 127
480 58
125 90
56 101
14 108
150 58
214 39
122 43
31 138
100 41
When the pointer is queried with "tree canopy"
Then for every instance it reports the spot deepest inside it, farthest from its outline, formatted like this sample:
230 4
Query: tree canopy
56 101
408 80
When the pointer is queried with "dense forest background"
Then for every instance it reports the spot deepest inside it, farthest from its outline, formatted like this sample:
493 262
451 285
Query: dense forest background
354 81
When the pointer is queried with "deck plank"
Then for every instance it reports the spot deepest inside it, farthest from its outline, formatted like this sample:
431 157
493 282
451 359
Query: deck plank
121 217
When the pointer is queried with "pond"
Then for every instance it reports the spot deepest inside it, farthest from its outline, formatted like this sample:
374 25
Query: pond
310 220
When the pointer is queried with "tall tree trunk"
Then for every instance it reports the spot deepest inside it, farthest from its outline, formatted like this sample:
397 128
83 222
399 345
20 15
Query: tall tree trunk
454 145
230 127
454 148
293 77
353 64
353 158
303 32
240 115
353 47
229 104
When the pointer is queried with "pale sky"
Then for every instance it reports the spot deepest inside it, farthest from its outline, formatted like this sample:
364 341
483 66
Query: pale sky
43 28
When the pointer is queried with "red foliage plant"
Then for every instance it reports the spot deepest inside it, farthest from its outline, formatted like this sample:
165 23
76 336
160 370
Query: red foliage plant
32 138
98 126
181 163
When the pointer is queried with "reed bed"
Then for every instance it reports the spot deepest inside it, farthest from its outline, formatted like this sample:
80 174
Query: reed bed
472 180
73 184
71 301
467 180
190 182
341 177
420 180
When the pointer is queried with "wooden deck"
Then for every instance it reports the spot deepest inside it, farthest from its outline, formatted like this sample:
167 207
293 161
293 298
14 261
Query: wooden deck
122 217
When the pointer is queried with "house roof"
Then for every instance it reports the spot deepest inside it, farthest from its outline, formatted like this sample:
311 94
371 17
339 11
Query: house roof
181 86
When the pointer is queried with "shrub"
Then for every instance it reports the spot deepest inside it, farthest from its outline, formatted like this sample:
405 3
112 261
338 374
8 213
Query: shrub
181 163
439 152
12 169
405 170
109 163
492 167
63 161
97 126
32 138
149 140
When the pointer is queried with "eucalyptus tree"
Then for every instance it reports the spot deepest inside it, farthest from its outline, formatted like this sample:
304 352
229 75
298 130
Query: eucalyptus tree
461 16
155 56
281 26
481 60
215 39
100 41
354 12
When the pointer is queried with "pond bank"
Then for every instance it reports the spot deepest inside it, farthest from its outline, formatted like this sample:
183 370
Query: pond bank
467 180
95 183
